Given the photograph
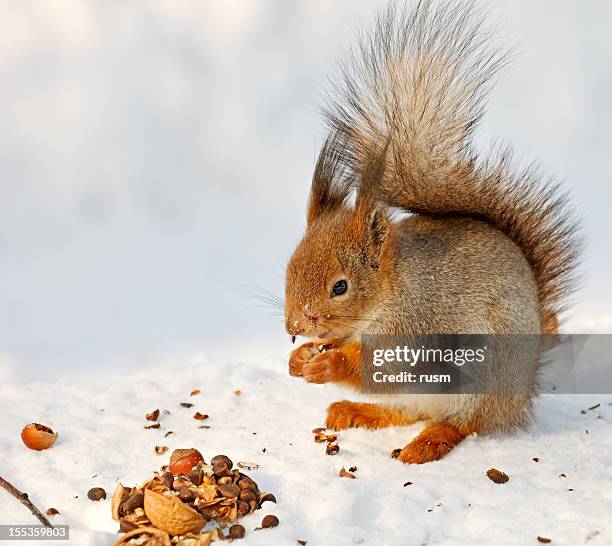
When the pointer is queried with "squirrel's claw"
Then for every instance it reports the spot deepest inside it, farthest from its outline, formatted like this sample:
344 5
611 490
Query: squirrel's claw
320 368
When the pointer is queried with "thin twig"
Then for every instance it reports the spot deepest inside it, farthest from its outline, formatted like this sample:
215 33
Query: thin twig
23 499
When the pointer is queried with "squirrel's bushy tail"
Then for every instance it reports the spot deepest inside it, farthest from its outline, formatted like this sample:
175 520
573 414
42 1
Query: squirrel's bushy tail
416 84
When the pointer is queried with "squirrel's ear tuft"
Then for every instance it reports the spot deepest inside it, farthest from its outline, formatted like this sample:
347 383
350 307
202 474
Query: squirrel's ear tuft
331 182
376 235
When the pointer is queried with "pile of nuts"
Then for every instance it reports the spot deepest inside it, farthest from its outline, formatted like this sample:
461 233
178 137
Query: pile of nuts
176 504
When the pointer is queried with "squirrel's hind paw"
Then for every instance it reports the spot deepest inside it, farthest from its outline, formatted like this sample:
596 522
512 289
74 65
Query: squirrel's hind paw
433 443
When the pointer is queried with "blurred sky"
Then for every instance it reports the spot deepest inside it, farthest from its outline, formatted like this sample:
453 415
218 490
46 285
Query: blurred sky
156 156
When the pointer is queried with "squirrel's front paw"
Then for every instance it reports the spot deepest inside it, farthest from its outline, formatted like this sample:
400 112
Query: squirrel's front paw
321 368
300 356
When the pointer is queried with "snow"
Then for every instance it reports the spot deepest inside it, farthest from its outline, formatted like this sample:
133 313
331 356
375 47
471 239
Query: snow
102 441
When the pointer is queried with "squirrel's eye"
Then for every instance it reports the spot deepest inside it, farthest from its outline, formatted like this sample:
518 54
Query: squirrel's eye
339 288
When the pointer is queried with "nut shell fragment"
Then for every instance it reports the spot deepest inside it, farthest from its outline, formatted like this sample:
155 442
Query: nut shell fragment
171 514
162 536
121 493
38 437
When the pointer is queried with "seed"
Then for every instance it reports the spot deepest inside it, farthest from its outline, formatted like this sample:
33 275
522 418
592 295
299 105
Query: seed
221 463
160 450
204 513
247 483
247 495
230 490
52 512
154 425
179 483
132 502
224 480
497 476
186 494
196 476
195 391
243 508
200 416
187 404
269 521
96 494
167 479
237 531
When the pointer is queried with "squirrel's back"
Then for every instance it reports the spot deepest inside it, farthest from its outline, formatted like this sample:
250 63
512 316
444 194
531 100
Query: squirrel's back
461 275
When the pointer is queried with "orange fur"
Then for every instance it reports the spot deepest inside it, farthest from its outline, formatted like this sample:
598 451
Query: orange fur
433 443
339 365
345 414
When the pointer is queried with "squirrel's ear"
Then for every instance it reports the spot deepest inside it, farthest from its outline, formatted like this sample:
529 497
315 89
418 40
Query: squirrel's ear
331 184
376 234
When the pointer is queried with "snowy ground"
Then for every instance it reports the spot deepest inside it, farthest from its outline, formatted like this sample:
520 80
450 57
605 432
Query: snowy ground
102 441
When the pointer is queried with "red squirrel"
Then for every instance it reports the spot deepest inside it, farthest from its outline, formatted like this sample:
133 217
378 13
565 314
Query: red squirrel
487 247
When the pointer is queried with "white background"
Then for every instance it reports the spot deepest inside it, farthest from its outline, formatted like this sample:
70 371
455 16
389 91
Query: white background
155 160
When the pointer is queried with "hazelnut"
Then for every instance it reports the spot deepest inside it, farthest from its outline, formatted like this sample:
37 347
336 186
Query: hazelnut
38 437
96 494
269 521
182 461
237 531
